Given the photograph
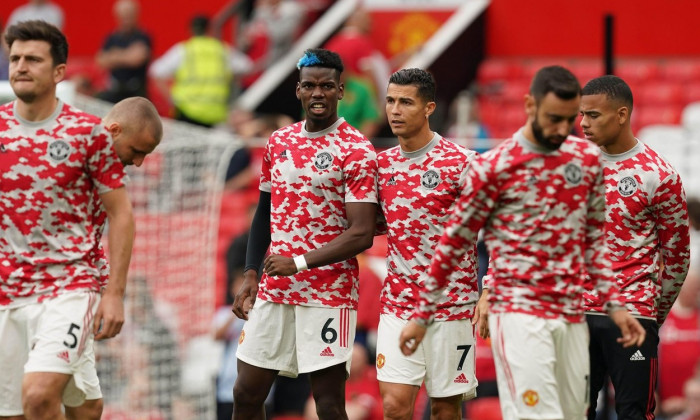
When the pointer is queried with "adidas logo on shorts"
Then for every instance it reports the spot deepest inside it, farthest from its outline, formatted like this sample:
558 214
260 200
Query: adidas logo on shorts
63 355
461 379
327 352
638 356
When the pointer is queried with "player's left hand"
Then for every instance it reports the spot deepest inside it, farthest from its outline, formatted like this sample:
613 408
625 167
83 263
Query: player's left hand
411 336
109 317
277 265
481 315
633 334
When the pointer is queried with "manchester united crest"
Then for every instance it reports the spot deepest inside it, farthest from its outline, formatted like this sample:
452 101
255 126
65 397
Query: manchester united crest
59 150
627 186
323 160
531 398
380 361
573 174
430 179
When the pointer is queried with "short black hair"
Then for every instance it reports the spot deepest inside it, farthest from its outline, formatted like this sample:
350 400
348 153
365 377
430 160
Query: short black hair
423 80
199 25
38 30
555 79
319 57
613 87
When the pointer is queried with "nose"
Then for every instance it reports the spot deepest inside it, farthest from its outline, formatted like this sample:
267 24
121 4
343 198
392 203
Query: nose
138 161
393 109
318 91
564 128
584 122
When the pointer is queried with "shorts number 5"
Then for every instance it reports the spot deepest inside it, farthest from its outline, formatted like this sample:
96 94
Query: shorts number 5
72 334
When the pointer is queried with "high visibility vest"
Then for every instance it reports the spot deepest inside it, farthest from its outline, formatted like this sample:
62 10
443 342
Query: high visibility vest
202 82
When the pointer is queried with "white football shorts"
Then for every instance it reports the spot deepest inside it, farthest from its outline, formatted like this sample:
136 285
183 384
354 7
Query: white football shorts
297 339
52 336
542 366
444 359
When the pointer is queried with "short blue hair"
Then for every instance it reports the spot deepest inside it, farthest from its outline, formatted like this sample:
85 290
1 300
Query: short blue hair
318 57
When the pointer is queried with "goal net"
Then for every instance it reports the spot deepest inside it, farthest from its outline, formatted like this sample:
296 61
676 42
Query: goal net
163 364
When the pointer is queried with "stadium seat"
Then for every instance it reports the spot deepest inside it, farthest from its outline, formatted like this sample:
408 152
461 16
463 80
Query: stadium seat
496 70
659 93
637 70
680 70
586 70
670 141
691 92
649 114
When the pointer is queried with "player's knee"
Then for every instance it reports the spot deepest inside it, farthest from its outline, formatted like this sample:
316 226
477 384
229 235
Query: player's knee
330 409
247 396
396 409
37 402
446 409
90 410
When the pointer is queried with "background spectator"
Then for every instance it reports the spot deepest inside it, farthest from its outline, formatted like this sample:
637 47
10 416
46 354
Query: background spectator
38 10
125 53
202 68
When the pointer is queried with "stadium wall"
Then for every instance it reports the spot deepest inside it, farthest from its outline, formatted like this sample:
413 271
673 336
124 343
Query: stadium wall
514 27
566 27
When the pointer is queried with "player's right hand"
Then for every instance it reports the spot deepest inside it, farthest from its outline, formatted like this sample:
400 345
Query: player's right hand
632 332
481 315
245 298
411 336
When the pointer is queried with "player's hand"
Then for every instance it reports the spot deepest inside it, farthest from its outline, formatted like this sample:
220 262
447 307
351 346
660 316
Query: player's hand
481 315
411 336
633 334
245 298
109 317
277 265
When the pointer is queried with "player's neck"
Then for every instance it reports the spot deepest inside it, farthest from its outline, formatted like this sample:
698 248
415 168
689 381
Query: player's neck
313 126
625 142
417 141
39 110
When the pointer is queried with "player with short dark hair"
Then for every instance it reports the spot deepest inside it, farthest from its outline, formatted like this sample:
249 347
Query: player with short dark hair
647 230
539 196
316 212
57 161
419 180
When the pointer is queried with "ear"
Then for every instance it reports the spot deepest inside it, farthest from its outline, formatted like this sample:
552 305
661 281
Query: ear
341 90
298 90
114 129
429 109
530 106
59 72
623 115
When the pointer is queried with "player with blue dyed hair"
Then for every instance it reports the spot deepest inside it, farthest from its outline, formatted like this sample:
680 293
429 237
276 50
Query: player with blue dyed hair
317 210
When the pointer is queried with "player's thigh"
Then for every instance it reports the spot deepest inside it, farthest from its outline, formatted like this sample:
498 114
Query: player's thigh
91 409
572 368
392 365
449 348
268 338
525 359
324 337
398 400
17 326
64 344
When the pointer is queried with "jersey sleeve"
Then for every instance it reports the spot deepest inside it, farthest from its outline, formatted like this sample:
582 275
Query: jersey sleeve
596 258
360 169
674 240
473 208
103 164
266 171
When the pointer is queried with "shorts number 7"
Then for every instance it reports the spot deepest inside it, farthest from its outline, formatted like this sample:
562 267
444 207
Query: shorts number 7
465 349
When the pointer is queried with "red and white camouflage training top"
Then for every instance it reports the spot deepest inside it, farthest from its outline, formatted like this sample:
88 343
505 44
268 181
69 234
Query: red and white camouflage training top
646 224
416 194
310 177
543 213
51 170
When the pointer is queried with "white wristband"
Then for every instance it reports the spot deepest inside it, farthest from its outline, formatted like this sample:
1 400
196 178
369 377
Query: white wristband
300 262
